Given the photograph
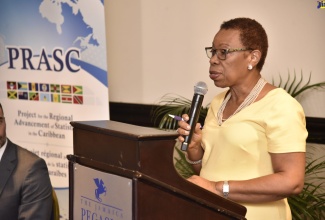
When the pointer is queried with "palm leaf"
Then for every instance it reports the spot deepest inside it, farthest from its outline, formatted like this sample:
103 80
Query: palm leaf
174 105
182 166
294 88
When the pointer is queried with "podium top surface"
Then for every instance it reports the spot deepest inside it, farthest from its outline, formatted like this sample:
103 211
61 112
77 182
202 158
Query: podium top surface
124 130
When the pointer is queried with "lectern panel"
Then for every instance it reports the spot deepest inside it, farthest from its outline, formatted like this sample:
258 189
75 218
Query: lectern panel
100 195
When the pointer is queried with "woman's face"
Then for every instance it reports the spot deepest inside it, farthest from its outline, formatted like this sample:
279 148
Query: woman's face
233 70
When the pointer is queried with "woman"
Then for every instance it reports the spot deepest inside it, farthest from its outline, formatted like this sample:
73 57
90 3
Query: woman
252 147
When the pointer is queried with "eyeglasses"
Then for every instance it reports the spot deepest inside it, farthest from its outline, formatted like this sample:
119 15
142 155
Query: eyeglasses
2 120
222 53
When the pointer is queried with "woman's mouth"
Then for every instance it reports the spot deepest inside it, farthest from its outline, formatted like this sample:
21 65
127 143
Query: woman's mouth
214 75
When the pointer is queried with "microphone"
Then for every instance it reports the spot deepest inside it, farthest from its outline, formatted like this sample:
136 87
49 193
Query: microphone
200 89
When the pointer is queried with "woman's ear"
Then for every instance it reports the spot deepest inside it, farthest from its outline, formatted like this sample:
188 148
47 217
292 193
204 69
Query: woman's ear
255 57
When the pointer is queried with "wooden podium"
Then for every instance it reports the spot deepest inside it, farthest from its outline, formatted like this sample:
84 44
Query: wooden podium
145 156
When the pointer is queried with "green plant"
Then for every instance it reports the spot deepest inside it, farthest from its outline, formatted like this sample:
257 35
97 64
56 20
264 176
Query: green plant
182 166
175 105
310 203
294 87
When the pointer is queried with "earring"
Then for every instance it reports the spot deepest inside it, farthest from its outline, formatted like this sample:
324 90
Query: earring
249 67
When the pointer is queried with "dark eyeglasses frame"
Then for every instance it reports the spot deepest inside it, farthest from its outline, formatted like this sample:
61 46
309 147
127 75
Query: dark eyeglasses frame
222 53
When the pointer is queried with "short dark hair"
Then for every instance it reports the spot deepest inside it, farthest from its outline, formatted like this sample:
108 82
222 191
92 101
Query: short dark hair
252 35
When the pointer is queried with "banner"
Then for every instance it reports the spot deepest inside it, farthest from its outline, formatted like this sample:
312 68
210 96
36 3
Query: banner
53 71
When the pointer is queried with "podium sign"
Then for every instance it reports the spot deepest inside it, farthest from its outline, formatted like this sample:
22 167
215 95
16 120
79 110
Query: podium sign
100 195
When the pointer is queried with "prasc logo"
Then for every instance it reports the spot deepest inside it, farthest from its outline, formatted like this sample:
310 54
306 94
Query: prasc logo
101 188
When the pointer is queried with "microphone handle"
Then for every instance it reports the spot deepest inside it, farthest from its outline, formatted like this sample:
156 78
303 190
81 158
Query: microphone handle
194 117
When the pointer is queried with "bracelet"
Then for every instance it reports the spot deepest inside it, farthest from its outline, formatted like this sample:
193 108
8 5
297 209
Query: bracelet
191 161
225 189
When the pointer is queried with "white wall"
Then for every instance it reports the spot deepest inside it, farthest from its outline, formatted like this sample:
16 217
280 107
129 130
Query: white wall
157 47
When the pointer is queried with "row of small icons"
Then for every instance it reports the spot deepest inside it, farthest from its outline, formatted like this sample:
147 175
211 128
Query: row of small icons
45 92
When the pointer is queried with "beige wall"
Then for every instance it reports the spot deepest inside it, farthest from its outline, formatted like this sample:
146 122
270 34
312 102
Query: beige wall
157 47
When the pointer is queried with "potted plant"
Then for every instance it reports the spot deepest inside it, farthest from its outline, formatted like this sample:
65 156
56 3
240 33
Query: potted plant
310 203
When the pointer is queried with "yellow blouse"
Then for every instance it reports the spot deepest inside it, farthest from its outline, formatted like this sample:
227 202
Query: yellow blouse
239 148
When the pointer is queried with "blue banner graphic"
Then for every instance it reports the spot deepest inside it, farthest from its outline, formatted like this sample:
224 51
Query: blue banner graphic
53 71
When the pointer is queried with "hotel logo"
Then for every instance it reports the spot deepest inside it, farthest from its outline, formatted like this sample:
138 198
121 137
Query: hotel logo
321 4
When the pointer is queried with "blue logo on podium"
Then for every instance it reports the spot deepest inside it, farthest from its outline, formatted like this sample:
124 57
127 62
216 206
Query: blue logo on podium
101 188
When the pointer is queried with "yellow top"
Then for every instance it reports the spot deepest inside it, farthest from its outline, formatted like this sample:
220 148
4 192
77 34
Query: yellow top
239 148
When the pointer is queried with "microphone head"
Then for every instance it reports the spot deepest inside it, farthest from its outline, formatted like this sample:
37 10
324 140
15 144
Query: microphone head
200 88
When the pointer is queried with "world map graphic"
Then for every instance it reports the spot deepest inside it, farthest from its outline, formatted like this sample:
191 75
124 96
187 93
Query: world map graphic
52 23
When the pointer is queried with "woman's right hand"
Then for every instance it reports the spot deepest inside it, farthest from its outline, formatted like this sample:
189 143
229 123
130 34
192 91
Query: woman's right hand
194 149
184 130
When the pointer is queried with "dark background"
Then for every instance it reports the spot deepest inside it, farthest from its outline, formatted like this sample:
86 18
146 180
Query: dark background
141 115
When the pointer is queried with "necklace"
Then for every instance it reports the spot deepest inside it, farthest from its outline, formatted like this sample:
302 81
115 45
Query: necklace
248 100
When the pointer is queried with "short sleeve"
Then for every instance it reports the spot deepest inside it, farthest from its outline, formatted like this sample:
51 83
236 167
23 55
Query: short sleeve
286 127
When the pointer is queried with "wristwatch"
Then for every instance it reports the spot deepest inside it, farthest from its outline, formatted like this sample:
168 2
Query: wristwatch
225 189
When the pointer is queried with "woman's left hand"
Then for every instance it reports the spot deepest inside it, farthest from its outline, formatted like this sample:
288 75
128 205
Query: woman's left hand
206 184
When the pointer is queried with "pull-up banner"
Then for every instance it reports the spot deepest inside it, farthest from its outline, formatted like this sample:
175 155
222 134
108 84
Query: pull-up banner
52 71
